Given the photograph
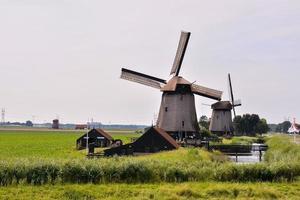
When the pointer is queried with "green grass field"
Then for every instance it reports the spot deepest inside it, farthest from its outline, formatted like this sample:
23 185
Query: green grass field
168 175
42 144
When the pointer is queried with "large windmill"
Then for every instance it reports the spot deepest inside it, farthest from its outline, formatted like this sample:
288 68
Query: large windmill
177 114
221 119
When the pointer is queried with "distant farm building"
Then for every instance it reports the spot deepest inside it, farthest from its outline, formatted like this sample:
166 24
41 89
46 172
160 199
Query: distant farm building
80 126
153 140
97 137
294 127
55 124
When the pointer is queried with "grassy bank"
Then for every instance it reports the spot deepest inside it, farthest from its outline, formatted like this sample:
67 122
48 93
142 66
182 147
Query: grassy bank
282 149
174 191
177 166
241 140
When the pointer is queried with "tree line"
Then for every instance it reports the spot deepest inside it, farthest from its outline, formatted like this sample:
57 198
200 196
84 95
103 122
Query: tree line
250 124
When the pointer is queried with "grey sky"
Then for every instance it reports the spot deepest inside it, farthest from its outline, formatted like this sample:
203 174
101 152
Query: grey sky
64 57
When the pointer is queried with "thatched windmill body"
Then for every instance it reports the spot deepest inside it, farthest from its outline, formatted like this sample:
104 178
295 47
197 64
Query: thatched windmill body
177 113
221 119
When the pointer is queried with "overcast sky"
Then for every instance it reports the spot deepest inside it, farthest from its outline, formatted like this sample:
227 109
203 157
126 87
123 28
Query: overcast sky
63 58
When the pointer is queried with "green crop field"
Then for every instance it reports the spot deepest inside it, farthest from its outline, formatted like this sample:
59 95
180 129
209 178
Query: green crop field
47 144
43 164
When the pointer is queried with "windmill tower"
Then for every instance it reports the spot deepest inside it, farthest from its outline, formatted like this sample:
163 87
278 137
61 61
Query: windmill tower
177 113
221 119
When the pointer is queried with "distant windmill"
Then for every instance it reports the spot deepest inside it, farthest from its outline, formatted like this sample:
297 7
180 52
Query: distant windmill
294 129
177 114
221 119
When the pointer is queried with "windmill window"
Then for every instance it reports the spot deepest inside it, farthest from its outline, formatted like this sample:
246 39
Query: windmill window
166 109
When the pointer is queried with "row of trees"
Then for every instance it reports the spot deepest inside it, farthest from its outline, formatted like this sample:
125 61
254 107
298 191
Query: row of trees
250 124
27 123
283 127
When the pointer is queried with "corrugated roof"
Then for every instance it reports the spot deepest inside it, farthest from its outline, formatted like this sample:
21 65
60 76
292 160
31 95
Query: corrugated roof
105 134
165 135
99 131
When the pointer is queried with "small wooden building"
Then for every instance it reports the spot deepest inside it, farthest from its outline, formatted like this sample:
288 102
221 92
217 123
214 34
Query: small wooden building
97 136
153 140
80 126
55 124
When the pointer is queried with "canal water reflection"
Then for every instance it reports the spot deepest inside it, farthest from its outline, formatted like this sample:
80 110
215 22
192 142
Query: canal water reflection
253 158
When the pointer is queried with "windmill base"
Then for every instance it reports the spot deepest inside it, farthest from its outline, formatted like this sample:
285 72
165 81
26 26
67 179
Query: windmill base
180 136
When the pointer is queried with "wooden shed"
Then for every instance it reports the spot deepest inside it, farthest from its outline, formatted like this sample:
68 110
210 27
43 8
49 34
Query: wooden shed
55 124
99 137
153 140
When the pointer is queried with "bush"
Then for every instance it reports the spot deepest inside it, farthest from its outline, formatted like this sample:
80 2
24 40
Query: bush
6 175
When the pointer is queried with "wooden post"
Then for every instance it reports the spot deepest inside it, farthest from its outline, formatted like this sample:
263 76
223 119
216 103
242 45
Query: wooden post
260 155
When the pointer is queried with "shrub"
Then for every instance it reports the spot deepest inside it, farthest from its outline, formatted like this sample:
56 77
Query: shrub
6 175
136 172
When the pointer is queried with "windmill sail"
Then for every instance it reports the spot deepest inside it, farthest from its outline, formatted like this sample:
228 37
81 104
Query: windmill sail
183 42
237 102
233 102
230 90
142 78
206 92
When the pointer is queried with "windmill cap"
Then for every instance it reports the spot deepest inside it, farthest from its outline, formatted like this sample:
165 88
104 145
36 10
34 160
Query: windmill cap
222 105
173 82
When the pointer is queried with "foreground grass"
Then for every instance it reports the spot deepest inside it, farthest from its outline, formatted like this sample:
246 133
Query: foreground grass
187 165
165 191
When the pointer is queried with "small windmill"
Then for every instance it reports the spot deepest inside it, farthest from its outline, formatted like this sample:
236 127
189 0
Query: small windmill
221 119
177 113
294 129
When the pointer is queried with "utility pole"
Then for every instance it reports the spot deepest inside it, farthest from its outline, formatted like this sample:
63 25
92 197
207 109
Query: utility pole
3 116
87 138
294 123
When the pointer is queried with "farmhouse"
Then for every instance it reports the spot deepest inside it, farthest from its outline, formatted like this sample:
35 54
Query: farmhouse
80 126
97 136
153 140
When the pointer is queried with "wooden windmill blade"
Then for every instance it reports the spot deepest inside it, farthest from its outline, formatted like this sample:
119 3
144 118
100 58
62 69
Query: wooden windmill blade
237 102
206 92
183 42
142 78
231 95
